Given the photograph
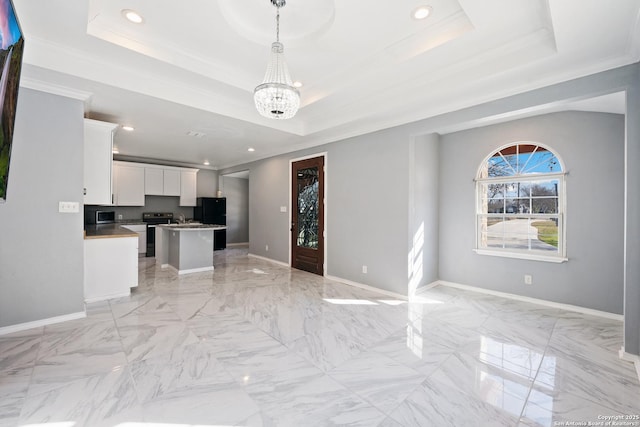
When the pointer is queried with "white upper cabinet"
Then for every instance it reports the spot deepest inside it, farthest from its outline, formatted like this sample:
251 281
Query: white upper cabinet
171 182
133 181
188 188
159 181
153 181
128 184
98 157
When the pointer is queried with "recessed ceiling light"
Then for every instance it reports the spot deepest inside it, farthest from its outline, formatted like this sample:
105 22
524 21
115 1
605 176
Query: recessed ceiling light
421 12
297 84
132 16
128 128
206 163
251 149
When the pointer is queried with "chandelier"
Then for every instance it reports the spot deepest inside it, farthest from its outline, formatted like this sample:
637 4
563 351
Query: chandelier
276 98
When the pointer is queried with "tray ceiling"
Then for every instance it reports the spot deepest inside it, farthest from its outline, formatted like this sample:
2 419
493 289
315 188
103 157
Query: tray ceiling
363 66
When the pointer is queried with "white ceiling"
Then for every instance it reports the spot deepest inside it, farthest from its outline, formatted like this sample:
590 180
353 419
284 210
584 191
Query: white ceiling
364 67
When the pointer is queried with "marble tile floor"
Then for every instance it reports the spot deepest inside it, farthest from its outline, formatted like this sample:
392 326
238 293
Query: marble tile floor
257 344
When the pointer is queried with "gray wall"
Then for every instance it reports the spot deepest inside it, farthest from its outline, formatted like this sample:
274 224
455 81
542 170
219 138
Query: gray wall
236 190
632 218
592 148
207 184
268 190
367 203
41 250
424 210
368 219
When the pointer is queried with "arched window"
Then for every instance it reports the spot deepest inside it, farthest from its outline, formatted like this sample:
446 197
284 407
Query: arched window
520 203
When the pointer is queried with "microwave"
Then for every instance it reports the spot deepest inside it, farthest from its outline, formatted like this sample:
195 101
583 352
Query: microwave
105 217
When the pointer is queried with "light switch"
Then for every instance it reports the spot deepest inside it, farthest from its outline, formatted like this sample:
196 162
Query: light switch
283 208
68 207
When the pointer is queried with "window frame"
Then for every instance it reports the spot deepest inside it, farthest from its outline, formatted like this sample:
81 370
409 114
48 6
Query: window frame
528 254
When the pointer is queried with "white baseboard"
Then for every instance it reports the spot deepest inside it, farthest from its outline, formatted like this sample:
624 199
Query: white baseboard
190 270
631 358
107 297
427 287
44 322
284 264
546 303
367 287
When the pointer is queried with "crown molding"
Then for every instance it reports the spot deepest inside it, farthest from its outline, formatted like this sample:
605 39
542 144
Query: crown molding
55 89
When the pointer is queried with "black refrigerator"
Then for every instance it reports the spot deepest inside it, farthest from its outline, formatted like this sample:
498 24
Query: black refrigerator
213 210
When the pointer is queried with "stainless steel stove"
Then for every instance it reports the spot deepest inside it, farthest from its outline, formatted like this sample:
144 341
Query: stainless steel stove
152 219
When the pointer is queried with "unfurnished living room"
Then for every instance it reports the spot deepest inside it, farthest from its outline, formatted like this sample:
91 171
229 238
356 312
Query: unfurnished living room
268 213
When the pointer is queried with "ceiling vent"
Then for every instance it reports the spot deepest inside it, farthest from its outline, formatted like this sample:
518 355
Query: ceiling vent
196 134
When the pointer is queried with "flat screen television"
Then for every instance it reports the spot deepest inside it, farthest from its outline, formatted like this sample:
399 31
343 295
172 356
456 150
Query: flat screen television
11 50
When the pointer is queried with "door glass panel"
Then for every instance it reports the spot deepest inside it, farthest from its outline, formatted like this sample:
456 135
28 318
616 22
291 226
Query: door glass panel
307 227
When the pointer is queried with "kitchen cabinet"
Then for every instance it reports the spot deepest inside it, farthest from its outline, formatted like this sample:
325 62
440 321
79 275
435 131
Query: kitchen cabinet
98 158
154 182
171 182
110 267
132 181
141 230
128 184
161 182
188 187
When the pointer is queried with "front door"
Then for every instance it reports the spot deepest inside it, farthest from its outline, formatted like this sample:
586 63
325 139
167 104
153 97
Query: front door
307 215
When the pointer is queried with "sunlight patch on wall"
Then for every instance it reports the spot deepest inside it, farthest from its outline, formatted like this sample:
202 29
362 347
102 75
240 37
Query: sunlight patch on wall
415 267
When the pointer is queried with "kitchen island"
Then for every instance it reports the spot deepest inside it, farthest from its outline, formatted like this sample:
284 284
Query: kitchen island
185 248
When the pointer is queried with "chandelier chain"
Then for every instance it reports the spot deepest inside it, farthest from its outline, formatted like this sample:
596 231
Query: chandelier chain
278 24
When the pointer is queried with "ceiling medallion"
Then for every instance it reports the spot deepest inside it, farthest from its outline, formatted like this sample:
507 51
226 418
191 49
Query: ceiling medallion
276 97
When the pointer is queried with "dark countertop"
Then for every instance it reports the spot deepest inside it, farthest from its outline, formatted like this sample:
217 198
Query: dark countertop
130 222
107 231
192 227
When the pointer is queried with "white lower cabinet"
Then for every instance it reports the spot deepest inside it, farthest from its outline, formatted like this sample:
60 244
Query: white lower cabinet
110 267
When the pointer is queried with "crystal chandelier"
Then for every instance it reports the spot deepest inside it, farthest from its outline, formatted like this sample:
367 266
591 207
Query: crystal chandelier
276 98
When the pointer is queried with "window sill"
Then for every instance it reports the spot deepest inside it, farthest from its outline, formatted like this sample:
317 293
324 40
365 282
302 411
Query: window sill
530 257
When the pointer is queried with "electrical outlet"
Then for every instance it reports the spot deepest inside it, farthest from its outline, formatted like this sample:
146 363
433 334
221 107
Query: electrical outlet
364 269
266 248
528 279
119 216
283 208
68 207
